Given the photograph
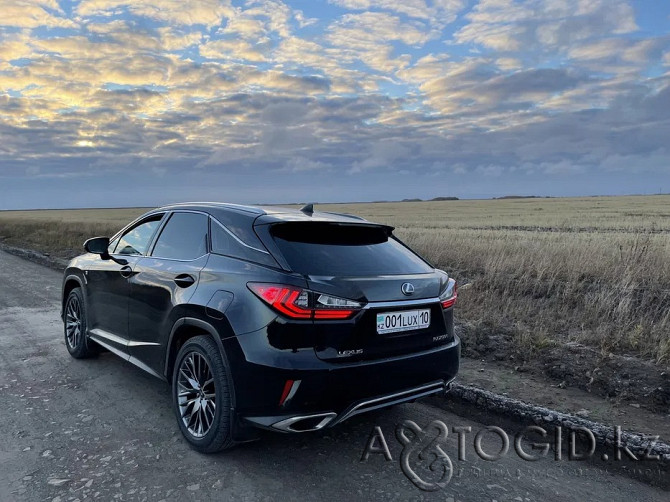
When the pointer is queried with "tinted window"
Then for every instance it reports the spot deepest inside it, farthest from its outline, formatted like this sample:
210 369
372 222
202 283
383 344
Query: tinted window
222 241
225 244
345 250
183 238
137 239
240 225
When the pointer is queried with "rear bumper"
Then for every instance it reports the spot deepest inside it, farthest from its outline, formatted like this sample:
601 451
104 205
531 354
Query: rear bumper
324 394
317 421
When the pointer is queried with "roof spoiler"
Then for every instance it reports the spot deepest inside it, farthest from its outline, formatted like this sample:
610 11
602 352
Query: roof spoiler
308 209
347 215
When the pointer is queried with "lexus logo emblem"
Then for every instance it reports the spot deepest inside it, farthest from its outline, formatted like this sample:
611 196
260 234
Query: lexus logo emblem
407 288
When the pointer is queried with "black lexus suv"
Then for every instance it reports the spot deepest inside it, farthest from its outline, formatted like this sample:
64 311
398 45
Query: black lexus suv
284 319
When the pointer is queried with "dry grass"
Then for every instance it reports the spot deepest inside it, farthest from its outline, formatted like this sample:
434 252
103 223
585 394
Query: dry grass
61 232
590 270
543 271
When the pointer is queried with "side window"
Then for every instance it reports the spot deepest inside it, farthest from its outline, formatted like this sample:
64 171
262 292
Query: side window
183 238
227 244
222 241
136 240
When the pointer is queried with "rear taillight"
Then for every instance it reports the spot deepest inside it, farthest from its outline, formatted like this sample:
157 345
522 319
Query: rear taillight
449 295
298 303
287 300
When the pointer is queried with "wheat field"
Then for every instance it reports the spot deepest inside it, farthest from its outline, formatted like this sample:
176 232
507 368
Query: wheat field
593 270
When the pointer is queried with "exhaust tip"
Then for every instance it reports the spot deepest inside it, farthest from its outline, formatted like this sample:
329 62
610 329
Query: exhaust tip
305 423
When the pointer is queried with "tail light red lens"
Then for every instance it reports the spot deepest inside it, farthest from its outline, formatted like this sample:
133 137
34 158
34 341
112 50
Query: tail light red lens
285 299
449 295
298 303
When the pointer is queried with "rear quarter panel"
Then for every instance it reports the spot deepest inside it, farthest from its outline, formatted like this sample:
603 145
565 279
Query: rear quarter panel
246 313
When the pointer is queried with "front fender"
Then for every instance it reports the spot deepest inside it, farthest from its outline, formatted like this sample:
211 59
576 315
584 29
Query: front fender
72 278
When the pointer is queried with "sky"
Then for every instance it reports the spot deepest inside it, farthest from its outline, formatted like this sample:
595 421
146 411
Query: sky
107 103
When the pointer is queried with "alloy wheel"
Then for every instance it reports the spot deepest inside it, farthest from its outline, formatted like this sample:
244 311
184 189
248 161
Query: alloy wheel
196 394
73 322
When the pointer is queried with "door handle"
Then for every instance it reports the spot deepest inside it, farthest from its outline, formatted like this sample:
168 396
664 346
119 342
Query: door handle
184 280
126 271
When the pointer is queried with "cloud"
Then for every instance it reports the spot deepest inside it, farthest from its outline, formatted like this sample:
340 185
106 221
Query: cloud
277 13
367 37
619 55
491 170
426 69
302 20
174 40
439 12
15 46
548 25
506 64
245 27
370 28
503 92
383 154
297 54
20 14
302 164
176 12
231 49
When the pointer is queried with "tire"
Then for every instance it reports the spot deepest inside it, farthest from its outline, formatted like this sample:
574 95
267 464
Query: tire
205 418
74 327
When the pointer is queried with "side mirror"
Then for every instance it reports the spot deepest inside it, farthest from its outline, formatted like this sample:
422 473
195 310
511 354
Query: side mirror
97 245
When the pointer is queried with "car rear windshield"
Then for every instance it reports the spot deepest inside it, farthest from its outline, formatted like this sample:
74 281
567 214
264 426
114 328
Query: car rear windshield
345 250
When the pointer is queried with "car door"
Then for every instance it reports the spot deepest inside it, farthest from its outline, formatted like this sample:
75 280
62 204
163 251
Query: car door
162 282
108 289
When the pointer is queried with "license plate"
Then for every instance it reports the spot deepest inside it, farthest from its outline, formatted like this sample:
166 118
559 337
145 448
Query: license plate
408 320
